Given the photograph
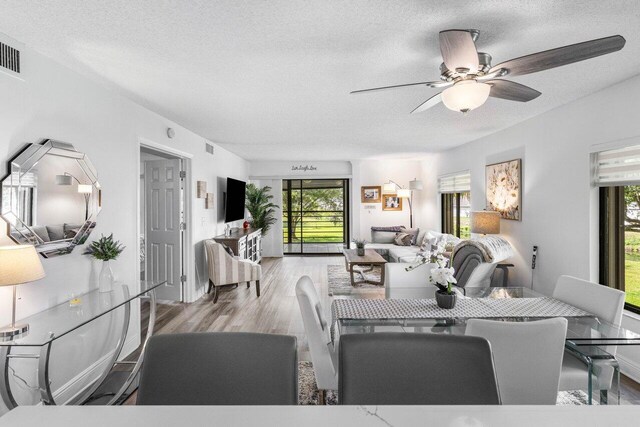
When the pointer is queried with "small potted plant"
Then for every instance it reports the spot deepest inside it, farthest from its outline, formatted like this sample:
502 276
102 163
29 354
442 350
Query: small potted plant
442 278
105 249
360 246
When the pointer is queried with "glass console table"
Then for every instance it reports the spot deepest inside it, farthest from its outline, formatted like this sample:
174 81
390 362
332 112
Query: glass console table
588 338
50 325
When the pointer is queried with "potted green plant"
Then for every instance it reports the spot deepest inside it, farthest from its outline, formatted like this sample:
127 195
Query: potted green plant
262 210
359 246
105 249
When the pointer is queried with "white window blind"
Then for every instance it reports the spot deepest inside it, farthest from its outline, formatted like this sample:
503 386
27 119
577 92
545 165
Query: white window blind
617 167
458 182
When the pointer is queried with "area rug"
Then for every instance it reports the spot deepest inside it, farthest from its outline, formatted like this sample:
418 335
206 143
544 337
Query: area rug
308 390
340 282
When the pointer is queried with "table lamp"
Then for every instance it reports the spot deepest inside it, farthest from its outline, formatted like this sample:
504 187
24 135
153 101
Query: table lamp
18 264
485 222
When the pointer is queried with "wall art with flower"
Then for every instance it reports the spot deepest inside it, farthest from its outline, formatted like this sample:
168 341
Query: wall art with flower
504 188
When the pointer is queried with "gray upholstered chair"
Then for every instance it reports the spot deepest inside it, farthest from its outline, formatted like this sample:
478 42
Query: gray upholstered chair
475 260
225 269
219 368
416 369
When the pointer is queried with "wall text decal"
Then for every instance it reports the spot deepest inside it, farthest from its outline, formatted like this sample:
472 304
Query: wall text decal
305 168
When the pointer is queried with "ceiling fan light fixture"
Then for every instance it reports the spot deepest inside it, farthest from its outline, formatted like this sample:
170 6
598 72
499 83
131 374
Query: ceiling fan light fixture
466 95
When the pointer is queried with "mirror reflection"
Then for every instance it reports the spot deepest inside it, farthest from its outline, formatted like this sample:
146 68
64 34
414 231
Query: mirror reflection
50 197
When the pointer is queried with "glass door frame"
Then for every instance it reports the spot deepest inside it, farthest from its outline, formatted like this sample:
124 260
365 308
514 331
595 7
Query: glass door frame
346 229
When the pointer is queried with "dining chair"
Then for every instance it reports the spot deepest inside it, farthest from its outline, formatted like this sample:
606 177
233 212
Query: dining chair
416 369
321 347
527 357
219 368
607 304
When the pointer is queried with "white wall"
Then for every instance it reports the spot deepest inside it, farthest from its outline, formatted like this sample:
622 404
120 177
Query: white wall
361 173
298 169
378 172
54 102
559 206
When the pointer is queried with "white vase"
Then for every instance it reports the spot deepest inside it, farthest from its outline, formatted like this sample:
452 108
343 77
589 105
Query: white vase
106 277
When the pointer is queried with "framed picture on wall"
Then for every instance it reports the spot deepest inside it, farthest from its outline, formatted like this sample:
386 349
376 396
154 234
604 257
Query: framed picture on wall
201 189
370 194
208 201
391 202
504 188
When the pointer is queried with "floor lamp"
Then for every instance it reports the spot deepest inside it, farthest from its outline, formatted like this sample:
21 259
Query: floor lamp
84 189
406 193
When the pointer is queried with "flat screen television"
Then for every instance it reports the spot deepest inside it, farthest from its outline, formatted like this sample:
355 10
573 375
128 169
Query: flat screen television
234 200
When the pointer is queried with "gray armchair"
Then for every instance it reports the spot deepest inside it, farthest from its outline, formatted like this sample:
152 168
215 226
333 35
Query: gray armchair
475 260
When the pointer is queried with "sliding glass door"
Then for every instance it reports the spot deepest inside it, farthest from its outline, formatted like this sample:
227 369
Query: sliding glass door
315 215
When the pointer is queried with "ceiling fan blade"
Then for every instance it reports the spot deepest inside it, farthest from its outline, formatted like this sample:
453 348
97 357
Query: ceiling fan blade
439 83
561 56
431 102
458 50
512 91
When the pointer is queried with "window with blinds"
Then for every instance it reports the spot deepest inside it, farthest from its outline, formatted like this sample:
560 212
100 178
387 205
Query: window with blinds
617 167
458 182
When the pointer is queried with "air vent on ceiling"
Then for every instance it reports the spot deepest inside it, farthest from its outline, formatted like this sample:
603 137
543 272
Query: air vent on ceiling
208 147
9 58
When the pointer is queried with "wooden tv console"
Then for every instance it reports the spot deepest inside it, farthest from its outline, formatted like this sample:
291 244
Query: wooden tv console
245 243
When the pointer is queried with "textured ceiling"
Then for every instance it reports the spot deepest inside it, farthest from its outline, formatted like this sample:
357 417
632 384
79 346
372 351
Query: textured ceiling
271 79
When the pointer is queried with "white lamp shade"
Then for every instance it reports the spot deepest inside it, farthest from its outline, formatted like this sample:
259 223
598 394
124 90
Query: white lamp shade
389 187
466 95
85 188
416 184
63 179
404 192
19 264
485 222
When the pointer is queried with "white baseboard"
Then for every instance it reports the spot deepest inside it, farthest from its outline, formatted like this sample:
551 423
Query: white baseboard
76 385
629 367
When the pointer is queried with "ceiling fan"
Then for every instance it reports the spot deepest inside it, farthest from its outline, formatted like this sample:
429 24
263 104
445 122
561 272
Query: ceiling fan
470 79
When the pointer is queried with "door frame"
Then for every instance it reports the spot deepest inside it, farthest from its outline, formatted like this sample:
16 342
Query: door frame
189 268
346 214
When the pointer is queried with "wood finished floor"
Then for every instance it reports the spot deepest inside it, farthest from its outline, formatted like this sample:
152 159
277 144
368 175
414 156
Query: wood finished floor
276 311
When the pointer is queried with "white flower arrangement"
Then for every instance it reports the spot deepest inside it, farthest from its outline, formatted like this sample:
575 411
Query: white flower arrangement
441 276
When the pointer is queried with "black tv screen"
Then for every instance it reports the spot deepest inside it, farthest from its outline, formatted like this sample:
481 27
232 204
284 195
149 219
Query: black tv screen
234 201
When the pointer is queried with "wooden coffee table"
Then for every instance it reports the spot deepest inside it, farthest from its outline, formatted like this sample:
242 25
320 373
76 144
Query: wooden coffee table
370 259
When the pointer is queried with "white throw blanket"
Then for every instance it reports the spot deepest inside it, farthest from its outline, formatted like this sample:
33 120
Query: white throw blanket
493 248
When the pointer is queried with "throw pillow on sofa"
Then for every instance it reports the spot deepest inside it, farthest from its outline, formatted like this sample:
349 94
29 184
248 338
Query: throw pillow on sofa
428 243
402 239
413 232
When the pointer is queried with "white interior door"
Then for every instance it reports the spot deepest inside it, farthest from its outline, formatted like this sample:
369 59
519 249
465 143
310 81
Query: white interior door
163 185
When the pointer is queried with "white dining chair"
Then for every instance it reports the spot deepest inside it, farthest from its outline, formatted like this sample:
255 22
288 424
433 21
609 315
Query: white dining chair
527 357
323 352
607 304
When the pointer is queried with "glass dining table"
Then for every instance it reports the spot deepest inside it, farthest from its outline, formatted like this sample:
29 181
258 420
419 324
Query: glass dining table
590 339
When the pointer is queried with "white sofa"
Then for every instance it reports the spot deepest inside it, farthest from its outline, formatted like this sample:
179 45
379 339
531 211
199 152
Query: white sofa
472 267
382 242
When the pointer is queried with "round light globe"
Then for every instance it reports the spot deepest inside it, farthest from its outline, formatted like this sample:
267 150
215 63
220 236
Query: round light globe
466 95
